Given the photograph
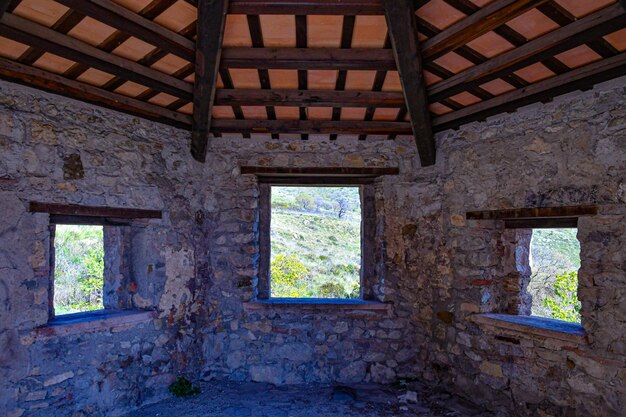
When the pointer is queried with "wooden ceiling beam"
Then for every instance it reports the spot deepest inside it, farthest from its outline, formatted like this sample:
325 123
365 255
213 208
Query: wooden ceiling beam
33 34
488 18
311 127
309 58
403 31
53 83
211 24
580 32
308 98
581 78
133 24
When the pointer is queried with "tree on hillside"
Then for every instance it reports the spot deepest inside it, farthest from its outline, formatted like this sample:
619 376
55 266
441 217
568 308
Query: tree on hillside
305 202
565 304
341 206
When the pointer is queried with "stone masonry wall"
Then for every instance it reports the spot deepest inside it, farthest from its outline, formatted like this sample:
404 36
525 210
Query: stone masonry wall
569 152
296 344
197 266
61 151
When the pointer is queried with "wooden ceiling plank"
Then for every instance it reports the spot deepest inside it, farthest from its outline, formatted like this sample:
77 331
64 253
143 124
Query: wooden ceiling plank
151 11
347 34
580 78
509 34
211 25
379 82
228 83
306 7
403 31
308 98
493 15
565 38
69 20
34 77
256 35
561 16
33 34
135 25
311 127
309 58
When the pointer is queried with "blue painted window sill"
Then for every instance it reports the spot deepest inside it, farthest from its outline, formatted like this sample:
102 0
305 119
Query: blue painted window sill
94 321
531 325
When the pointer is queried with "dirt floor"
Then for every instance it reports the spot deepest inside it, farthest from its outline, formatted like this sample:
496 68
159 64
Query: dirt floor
233 399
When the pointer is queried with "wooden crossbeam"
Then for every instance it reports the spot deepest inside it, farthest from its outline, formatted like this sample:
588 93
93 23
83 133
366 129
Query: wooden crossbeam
493 15
311 126
581 31
403 34
33 34
580 78
135 25
308 98
308 58
211 24
30 76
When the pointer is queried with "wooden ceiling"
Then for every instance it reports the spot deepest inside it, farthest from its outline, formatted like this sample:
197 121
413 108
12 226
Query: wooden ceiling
332 68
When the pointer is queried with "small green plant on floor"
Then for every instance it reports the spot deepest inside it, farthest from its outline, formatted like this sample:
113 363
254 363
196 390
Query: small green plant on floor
565 304
183 388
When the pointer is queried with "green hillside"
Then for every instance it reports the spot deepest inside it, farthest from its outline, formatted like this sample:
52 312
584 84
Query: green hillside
316 238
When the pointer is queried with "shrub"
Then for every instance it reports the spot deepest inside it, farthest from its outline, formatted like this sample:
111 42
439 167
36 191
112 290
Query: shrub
332 290
288 276
183 388
565 304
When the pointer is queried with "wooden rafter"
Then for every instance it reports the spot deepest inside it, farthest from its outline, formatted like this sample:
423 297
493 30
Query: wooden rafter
580 78
493 15
27 75
581 31
133 24
33 34
211 24
403 34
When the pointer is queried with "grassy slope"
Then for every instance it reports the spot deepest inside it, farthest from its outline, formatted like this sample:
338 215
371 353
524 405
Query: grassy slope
329 247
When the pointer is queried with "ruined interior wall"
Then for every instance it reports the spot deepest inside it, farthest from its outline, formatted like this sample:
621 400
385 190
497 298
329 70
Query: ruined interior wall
294 344
569 152
126 162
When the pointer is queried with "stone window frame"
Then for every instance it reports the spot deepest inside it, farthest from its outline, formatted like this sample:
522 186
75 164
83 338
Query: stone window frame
116 223
520 220
366 179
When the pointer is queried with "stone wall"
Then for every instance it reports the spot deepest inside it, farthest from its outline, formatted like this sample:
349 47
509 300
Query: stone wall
61 151
286 344
569 152
196 268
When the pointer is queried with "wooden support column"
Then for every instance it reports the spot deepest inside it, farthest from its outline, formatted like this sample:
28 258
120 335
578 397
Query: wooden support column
211 24
400 15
